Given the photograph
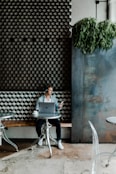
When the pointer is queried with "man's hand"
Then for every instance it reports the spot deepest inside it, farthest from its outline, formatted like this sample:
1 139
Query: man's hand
61 105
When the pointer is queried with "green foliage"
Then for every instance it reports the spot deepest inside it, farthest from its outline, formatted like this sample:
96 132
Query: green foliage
89 35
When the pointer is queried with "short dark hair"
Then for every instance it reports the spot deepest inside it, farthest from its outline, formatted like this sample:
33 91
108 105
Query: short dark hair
48 86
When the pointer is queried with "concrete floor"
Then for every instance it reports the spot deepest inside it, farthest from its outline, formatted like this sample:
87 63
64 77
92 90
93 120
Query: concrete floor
74 159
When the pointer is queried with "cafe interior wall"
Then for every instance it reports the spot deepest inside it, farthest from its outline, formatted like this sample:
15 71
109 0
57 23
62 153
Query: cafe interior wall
35 49
93 91
79 11
93 94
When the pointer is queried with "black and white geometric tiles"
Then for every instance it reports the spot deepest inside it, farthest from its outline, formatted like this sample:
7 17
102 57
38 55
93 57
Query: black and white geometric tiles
22 104
35 44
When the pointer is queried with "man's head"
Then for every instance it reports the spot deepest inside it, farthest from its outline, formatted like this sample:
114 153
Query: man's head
49 89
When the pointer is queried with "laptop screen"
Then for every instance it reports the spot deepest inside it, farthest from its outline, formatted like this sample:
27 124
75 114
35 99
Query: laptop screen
47 107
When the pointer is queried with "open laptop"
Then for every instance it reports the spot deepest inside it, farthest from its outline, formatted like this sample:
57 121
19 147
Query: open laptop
46 108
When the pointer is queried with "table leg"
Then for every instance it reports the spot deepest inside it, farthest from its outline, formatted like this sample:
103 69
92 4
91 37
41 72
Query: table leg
53 139
48 137
8 140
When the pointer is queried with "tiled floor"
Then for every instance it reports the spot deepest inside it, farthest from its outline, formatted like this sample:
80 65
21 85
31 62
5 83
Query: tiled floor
74 159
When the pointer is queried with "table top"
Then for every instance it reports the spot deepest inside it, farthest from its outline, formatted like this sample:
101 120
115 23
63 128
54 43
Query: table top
49 116
111 119
4 115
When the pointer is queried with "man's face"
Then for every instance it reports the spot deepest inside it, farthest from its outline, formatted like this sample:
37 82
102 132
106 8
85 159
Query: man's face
50 90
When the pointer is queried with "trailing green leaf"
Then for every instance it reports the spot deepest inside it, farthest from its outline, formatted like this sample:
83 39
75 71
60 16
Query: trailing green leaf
89 35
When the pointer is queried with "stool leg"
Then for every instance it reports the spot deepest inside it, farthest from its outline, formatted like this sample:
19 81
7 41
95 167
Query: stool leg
48 137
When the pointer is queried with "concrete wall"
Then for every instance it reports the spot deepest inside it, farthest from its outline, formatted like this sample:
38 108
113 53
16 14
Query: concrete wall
80 9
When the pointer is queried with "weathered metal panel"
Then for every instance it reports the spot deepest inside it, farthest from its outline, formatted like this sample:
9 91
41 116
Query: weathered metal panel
93 94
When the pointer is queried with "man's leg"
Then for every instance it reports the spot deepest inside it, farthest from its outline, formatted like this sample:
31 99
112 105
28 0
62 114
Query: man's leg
39 124
56 123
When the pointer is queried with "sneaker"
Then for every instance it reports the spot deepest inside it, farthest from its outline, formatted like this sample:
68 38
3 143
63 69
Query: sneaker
40 142
41 138
60 146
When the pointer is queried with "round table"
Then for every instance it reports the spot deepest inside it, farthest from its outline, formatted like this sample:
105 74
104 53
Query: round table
3 116
47 117
111 120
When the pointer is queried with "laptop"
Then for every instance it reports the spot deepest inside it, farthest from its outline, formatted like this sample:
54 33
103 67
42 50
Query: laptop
46 108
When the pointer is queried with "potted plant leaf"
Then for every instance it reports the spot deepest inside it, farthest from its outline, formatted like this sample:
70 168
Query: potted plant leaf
88 35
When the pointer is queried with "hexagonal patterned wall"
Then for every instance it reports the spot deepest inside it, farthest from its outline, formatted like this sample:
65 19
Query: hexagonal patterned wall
35 44
22 103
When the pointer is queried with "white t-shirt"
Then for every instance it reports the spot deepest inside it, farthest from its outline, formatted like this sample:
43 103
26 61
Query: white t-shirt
46 100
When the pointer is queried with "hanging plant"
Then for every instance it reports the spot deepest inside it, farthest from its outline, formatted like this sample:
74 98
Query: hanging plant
89 35
106 34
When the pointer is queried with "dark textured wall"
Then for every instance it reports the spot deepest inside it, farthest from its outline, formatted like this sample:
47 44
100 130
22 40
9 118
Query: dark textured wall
22 103
35 44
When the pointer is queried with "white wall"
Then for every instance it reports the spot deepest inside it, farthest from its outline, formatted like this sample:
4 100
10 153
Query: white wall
112 10
30 132
87 8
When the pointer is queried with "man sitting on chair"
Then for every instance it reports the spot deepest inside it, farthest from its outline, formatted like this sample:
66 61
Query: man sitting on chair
48 97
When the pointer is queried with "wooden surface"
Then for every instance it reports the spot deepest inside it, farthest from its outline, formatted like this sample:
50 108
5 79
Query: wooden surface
21 123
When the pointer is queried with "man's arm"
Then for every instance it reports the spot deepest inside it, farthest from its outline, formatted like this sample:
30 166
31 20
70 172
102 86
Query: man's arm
40 99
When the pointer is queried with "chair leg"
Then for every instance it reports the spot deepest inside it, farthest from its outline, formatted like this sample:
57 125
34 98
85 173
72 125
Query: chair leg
111 155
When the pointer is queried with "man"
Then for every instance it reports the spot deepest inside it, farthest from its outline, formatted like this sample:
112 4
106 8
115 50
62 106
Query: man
48 97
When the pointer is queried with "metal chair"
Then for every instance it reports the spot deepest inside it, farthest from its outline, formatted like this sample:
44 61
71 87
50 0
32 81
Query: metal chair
95 151
96 157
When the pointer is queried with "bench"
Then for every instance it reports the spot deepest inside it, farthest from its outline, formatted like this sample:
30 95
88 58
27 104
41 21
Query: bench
23 123
22 104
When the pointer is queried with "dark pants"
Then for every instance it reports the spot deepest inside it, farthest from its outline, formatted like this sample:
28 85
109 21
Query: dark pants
54 122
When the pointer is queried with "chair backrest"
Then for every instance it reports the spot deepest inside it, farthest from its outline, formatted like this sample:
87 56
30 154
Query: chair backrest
95 138
95 152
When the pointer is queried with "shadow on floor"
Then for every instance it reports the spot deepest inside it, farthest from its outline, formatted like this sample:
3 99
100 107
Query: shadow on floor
6 149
